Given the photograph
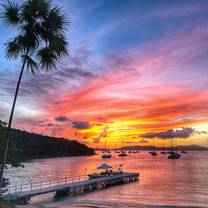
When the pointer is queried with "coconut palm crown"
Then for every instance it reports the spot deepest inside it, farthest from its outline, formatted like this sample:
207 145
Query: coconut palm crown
40 43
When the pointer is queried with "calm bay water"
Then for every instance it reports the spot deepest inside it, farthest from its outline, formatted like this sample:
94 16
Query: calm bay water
162 181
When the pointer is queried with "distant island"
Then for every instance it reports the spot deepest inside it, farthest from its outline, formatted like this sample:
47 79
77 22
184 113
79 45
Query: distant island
30 146
192 147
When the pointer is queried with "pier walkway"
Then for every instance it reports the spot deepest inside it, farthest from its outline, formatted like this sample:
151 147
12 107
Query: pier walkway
21 194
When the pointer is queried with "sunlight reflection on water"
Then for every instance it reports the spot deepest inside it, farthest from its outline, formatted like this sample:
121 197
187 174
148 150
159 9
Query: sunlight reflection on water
163 181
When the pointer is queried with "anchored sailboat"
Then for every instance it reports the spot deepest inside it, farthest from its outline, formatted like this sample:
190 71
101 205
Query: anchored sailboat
153 152
123 152
106 153
174 154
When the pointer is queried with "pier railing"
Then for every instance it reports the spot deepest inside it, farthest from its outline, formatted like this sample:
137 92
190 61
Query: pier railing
44 183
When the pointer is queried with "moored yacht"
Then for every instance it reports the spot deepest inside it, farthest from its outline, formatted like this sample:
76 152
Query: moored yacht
106 153
174 154
123 152
153 152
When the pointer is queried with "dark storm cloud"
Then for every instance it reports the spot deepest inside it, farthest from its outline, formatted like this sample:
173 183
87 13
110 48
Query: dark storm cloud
80 125
183 133
61 118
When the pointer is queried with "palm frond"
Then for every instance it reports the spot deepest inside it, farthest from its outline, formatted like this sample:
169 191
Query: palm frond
28 41
41 33
47 58
57 20
30 63
10 14
59 45
12 49
36 8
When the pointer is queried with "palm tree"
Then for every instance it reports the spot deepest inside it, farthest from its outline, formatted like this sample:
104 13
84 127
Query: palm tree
40 44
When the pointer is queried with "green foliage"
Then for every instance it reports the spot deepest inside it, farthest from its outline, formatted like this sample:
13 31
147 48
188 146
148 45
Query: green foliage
6 205
25 146
41 41
12 151
11 13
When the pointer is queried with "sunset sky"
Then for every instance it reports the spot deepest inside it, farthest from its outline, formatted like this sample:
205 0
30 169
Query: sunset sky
136 70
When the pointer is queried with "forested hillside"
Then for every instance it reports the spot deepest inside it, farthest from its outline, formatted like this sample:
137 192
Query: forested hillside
25 146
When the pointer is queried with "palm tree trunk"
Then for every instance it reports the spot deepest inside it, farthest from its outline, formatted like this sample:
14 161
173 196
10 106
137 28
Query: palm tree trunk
4 159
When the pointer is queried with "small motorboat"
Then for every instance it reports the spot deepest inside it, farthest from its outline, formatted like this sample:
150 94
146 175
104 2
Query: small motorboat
163 152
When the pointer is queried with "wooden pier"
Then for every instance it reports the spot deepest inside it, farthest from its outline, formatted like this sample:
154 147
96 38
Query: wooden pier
21 194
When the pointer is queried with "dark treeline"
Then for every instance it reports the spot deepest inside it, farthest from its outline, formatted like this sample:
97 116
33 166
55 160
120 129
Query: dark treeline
26 146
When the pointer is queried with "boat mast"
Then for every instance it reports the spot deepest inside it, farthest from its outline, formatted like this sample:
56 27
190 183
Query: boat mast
153 144
172 141
105 145
176 148
122 145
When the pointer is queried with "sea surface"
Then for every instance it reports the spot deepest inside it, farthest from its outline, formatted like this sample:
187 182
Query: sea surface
182 182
